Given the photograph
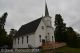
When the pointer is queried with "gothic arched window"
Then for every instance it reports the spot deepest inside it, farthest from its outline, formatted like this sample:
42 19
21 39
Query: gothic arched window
22 39
27 39
52 38
18 40
40 38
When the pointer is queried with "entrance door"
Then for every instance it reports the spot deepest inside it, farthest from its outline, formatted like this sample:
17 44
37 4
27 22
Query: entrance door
43 41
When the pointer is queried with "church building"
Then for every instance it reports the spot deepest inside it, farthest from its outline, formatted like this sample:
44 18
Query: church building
35 33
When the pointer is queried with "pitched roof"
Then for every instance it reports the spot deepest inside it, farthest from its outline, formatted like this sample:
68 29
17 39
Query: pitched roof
28 28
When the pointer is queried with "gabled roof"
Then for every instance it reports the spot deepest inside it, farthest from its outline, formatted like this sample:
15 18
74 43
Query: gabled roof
32 26
28 28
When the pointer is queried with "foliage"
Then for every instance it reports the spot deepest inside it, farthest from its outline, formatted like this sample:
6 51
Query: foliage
3 33
65 34
60 28
4 38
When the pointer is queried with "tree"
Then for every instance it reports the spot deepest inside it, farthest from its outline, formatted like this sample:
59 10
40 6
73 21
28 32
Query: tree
10 37
60 28
3 33
3 20
65 34
71 37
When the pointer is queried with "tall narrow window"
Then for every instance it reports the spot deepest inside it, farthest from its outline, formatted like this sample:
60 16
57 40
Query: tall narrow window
15 40
48 34
46 38
52 38
18 40
40 38
27 39
22 40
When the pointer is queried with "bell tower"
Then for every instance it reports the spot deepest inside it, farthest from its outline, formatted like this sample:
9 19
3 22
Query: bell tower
47 18
48 23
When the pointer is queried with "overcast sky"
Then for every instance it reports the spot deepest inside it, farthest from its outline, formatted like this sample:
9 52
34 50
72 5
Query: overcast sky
23 11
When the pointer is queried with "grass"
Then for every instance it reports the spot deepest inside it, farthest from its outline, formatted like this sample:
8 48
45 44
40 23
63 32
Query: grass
68 50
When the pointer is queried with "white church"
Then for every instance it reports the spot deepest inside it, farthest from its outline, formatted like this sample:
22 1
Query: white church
35 33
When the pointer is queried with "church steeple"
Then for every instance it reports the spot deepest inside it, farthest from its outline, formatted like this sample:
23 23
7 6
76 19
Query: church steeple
46 10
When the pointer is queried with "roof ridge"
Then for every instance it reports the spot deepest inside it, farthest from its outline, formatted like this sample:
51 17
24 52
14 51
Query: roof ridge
29 27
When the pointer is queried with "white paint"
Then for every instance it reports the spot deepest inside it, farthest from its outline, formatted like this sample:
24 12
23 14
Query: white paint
25 44
34 39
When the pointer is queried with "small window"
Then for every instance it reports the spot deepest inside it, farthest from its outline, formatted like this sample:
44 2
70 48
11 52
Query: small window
22 40
52 38
40 38
42 27
48 33
46 38
18 40
27 39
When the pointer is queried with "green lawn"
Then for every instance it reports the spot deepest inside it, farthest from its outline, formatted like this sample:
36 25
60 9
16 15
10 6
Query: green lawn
68 50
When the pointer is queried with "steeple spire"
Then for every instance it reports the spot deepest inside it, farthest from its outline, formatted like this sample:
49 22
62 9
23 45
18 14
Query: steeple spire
46 9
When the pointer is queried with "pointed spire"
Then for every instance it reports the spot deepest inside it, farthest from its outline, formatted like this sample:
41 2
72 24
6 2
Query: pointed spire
46 9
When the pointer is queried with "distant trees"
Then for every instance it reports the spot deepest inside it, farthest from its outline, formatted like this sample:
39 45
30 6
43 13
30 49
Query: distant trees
65 34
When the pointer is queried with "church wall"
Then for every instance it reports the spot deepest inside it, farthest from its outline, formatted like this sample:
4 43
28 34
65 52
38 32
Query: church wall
25 44
50 30
47 21
41 32
34 39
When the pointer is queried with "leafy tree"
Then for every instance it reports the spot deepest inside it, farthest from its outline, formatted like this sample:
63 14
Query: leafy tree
60 28
71 37
65 34
10 37
3 33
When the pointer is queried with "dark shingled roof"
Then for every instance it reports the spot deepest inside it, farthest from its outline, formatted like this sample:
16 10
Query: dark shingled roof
28 28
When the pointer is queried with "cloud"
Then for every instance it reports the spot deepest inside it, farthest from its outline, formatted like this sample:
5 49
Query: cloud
24 11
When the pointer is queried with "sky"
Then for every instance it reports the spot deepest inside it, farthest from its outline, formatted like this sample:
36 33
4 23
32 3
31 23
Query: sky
21 12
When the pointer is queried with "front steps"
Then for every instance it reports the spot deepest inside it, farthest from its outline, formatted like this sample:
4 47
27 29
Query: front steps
52 45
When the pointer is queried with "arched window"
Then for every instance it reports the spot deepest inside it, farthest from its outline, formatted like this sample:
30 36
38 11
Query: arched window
27 39
48 34
40 38
18 40
52 38
42 27
22 39
15 40
46 38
